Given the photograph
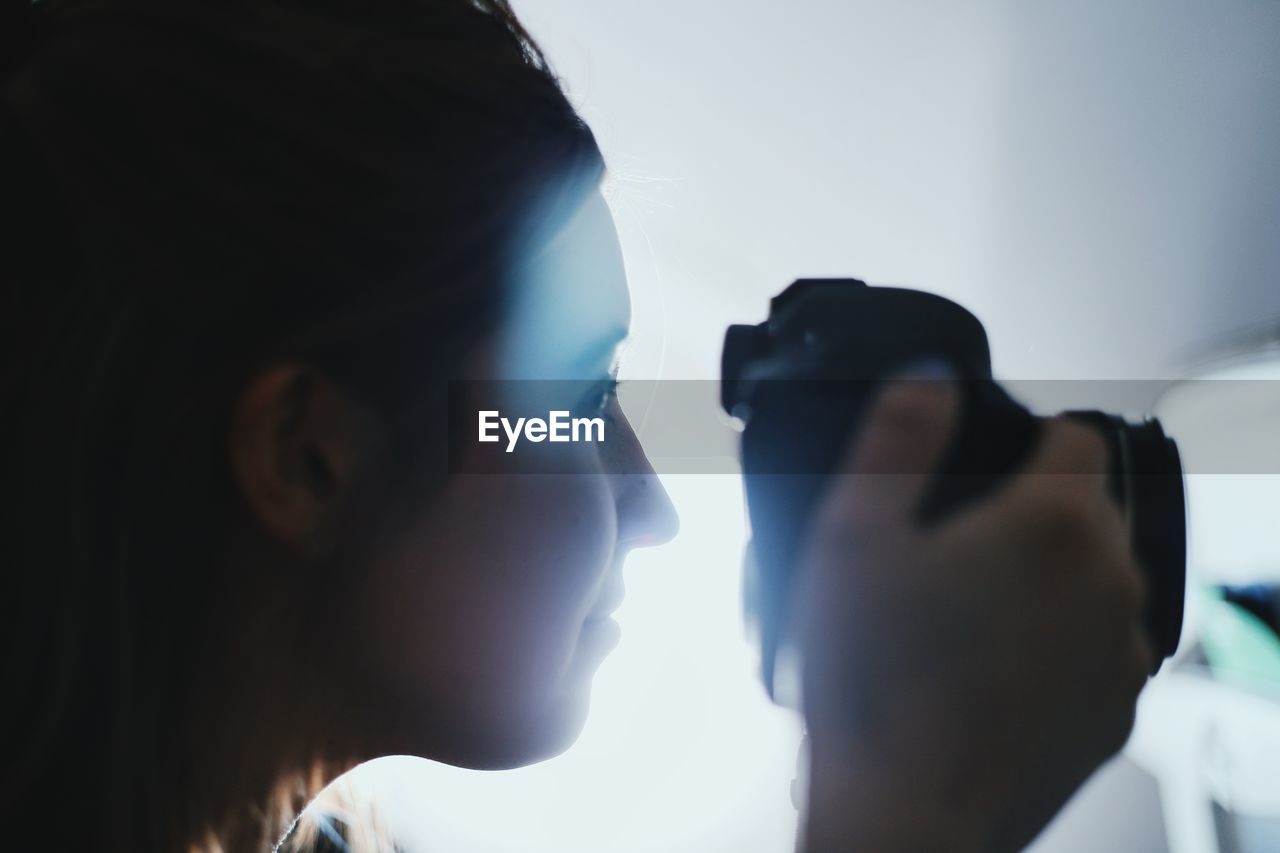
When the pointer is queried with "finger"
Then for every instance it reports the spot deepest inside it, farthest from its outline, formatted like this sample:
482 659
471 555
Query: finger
1133 670
1132 601
900 444
1070 460
1144 660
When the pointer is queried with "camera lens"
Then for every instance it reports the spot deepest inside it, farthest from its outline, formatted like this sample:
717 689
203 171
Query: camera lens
1147 481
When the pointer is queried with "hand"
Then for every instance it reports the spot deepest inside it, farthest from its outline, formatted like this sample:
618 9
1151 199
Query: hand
961 681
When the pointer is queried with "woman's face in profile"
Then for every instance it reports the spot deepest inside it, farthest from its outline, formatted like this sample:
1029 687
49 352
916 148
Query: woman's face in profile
483 622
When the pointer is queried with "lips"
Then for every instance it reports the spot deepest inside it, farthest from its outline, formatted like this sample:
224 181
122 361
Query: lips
597 638
601 612
610 600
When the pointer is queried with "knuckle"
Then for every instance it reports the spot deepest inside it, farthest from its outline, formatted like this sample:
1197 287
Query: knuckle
843 511
1074 448
1087 447
1061 515
905 406
843 525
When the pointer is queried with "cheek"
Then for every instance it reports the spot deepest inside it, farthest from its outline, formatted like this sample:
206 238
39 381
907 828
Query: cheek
536 571
475 611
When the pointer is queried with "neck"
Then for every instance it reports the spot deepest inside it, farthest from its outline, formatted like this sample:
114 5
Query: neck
263 740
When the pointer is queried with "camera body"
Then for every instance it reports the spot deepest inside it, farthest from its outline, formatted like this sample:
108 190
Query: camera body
801 382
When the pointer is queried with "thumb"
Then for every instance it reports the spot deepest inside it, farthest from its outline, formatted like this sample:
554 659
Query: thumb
901 442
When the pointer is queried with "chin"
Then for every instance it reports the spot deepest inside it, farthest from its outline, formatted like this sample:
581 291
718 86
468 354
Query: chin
505 740
539 737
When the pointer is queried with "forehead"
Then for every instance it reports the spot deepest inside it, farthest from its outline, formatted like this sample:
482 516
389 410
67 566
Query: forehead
570 306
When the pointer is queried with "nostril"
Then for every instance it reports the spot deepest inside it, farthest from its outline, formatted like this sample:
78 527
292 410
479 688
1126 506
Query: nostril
664 531
646 516
666 525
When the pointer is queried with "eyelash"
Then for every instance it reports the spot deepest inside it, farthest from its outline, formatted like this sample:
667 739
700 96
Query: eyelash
601 395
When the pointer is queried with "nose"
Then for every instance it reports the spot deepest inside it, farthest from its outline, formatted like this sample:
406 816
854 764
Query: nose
646 516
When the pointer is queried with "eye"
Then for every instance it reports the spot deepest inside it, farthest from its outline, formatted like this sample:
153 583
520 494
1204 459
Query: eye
597 399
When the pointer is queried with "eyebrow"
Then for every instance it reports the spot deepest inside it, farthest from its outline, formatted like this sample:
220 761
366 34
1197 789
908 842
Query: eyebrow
603 349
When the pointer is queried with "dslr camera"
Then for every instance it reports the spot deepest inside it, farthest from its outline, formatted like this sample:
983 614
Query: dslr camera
800 384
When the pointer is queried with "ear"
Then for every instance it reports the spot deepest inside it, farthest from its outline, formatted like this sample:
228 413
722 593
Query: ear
297 443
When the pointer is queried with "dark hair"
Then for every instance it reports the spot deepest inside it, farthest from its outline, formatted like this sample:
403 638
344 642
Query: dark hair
194 190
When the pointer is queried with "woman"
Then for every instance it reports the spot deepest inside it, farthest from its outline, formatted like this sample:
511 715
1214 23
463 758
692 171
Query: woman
248 246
